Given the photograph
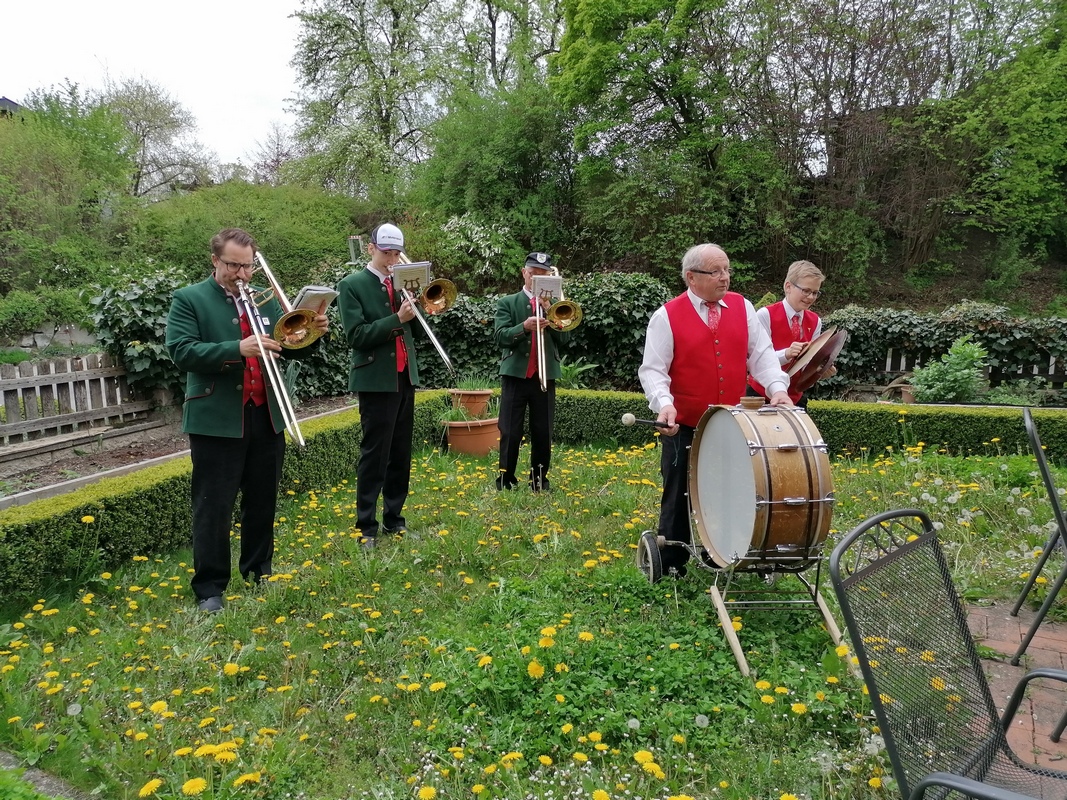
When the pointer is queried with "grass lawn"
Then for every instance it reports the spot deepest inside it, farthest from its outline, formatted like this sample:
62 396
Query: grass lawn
510 649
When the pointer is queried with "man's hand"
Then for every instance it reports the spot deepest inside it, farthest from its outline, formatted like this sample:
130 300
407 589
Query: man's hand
250 347
781 399
795 349
406 312
322 322
531 323
669 414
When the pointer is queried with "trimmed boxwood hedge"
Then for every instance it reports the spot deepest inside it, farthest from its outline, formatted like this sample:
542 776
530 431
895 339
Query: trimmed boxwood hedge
44 545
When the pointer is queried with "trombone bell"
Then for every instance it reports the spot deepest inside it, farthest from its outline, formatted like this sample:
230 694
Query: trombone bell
439 296
296 329
564 314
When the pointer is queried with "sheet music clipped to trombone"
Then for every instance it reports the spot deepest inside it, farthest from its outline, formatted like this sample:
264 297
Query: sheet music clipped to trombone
412 277
547 287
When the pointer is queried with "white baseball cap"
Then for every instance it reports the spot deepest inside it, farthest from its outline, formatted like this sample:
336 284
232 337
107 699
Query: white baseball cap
387 237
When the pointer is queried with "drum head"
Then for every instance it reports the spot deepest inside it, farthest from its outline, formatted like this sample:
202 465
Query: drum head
816 359
722 487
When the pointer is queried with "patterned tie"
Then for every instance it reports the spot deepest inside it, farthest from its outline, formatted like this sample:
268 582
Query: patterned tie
531 366
401 347
713 317
794 328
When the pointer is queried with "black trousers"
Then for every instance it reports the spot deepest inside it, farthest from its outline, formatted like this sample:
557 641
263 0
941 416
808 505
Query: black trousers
516 396
674 504
221 467
387 420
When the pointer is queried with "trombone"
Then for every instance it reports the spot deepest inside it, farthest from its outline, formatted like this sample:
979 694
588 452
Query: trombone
246 299
564 315
437 297
296 328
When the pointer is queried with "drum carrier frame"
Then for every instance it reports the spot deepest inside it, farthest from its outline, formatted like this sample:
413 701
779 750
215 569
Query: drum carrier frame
766 436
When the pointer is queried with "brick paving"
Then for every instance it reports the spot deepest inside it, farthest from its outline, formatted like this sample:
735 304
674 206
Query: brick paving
1046 700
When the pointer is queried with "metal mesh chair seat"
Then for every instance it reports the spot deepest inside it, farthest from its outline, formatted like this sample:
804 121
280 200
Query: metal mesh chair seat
941 727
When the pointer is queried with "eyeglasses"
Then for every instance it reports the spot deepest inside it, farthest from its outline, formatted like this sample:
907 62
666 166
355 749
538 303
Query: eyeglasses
715 273
236 265
807 292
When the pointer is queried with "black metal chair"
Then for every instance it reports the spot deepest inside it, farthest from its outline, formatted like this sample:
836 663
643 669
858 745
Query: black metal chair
1057 537
908 627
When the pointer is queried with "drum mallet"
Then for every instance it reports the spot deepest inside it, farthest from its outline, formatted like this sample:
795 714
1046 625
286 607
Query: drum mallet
630 419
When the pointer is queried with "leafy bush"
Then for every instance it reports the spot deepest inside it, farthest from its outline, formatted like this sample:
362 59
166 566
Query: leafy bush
14 356
1018 393
571 372
21 313
130 321
12 787
956 378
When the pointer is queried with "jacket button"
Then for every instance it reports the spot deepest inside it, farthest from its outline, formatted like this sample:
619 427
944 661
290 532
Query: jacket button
370 358
235 321
240 387
720 379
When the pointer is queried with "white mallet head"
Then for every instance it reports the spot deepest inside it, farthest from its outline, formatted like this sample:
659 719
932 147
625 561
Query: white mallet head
628 419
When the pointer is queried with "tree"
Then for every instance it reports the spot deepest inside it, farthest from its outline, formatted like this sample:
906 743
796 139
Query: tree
63 174
167 155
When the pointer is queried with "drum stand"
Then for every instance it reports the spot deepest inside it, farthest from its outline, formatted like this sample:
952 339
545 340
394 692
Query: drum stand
811 595
650 562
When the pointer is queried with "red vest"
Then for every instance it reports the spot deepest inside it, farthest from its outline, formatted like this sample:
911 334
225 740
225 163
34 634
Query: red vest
707 369
782 337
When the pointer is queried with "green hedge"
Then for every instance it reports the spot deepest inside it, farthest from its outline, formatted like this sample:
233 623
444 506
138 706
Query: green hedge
46 544
959 430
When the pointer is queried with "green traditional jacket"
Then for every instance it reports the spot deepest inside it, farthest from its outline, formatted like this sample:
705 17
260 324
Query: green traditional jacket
515 341
372 329
204 340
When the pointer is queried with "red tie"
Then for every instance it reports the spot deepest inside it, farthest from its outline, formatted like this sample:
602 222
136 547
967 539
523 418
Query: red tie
401 348
713 317
794 328
531 367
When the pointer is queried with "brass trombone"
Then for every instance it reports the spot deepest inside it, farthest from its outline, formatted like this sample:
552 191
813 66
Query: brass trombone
436 297
247 300
564 315
296 328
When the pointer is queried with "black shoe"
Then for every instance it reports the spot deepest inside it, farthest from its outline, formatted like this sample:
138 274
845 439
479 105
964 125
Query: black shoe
395 531
369 542
506 483
211 605
543 486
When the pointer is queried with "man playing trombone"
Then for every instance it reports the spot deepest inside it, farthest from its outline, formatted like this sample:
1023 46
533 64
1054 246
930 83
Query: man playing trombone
233 417
521 387
384 373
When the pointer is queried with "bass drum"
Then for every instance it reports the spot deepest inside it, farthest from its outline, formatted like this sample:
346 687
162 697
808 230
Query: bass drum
760 488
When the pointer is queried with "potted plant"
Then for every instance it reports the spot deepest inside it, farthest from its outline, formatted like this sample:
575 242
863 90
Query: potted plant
473 392
470 434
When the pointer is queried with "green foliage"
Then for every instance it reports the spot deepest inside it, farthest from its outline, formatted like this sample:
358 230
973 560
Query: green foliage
616 308
63 169
1018 393
12 787
298 230
957 430
21 313
571 372
476 380
14 356
957 377
130 320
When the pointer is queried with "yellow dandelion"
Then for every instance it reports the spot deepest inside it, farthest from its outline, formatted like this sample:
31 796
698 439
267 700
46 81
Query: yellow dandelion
88 519
427 793
485 661
545 761
183 751
763 685
230 669
643 757
842 651
767 699
248 777
150 788
535 670
437 686
585 636
478 788
600 794
565 728
938 683
799 708
580 757
875 782
194 786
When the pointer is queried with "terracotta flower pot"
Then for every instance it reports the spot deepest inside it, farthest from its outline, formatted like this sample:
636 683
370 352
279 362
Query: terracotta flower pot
475 401
476 437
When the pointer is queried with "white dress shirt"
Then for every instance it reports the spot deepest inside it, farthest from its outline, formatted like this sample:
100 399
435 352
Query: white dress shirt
659 354
764 316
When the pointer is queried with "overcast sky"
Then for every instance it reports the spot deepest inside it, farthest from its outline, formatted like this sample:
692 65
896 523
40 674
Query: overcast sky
225 61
